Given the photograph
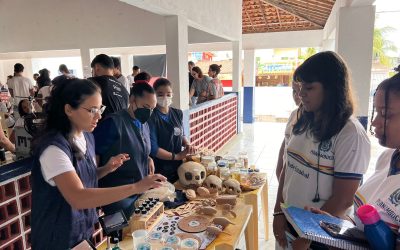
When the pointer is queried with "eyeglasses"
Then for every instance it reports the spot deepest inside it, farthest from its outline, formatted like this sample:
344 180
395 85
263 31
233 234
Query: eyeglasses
95 111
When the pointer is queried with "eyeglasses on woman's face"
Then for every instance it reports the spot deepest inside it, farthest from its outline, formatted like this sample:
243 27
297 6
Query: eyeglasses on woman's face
93 111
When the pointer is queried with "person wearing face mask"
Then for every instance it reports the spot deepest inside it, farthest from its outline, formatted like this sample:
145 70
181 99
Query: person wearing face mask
127 131
166 133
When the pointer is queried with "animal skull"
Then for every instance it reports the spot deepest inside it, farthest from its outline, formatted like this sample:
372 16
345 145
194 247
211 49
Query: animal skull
191 174
232 186
214 183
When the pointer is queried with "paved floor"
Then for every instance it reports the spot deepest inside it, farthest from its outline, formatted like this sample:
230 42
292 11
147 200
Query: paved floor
261 141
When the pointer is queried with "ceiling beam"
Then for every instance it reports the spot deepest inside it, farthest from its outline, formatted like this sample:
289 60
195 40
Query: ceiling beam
279 18
262 9
289 9
247 14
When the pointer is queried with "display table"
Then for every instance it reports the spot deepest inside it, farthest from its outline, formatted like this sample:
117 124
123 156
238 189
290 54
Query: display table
224 241
251 198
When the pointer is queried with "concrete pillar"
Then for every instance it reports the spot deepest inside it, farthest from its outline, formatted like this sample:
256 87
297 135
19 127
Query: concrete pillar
237 77
328 44
354 38
86 56
249 83
177 55
126 64
176 39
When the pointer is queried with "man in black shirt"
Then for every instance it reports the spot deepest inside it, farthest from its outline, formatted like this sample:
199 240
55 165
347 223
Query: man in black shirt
114 94
191 78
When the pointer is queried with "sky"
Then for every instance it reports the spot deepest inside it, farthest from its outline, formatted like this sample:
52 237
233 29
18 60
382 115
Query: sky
388 14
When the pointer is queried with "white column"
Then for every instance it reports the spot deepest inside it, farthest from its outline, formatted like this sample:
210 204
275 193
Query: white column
176 28
354 38
236 65
86 56
126 69
249 82
249 68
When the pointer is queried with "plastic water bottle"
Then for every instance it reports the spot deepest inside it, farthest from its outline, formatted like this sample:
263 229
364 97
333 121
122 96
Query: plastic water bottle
378 234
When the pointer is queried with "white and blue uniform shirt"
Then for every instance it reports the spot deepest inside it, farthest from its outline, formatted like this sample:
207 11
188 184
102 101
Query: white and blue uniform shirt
346 155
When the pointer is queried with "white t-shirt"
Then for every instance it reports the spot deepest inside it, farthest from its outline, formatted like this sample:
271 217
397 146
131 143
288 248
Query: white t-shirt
54 161
45 92
381 191
346 156
131 79
20 86
122 79
288 130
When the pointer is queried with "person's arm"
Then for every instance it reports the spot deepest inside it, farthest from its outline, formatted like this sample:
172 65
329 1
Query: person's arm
342 198
11 92
279 222
79 197
114 163
5 142
191 93
280 163
212 90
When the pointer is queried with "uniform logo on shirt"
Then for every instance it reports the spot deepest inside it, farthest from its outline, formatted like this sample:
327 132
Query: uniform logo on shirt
326 145
177 131
394 198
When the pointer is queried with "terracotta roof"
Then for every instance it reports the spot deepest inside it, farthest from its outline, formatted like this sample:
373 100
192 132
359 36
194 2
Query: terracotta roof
260 16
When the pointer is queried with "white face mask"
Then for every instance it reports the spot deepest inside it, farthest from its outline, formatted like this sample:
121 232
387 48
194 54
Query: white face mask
164 101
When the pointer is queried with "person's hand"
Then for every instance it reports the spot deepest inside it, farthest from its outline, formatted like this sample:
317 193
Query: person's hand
191 149
317 211
280 227
116 162
181 155
148 182
152 168
301 244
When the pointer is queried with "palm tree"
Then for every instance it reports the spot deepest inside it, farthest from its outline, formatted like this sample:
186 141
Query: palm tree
381 46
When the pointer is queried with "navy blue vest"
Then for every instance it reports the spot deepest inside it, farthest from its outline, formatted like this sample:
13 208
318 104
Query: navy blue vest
169 137
133 141
55 224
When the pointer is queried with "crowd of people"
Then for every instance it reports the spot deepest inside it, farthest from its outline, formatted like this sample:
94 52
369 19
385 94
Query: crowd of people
106 140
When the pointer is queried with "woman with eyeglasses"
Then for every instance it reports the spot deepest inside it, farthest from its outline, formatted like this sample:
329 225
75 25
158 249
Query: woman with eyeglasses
328 150
65 173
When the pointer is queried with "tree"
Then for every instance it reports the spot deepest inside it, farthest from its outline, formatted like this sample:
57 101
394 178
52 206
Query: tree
382 46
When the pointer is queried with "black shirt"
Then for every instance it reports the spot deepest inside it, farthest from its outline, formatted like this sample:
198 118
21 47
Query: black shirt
191 78
115 96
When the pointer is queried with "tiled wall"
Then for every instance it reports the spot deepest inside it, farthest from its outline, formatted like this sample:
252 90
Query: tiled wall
214 125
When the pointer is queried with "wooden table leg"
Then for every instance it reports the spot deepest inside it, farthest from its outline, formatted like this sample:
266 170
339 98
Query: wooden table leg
251 241
251 199
264 207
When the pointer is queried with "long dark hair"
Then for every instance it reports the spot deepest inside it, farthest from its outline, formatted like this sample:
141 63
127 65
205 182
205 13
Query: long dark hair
44 78
69 91
390 85
198 71
329 69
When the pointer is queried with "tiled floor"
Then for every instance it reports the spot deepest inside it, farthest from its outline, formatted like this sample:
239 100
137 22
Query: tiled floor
261 141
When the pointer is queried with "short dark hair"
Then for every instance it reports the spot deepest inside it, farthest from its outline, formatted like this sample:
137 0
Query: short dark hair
135 67
63 68
138 89
104 61
142 76
161 82
117 62
18 68
191 63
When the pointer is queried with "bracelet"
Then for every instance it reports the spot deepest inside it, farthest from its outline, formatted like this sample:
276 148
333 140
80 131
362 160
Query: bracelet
173 156
278 213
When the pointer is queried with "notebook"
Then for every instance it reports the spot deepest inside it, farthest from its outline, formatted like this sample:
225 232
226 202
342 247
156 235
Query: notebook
307 225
